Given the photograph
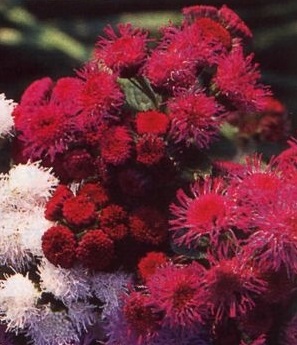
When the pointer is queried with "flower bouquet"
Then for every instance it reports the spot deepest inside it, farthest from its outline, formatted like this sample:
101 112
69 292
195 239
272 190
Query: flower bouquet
119 223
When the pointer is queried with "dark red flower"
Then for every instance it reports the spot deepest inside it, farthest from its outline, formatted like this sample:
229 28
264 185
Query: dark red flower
195 118
79 211
95 192
58 245
37 93
149 263
116 145
141 318
178 291
95 250
148 225
150 149
114 221
151 122
124 52
53 207
78 164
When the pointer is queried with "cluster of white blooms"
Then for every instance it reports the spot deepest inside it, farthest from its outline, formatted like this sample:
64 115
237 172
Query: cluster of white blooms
24 192
6 119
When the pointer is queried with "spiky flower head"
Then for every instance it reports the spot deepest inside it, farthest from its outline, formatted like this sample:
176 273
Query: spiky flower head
6 119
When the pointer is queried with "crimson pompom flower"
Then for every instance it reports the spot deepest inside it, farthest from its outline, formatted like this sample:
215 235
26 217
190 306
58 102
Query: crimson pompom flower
53 207
207 211
124 52
95 250
141 318
238 79
79 211
148 225
114 221
58 245
100 92
95 192
116 145
150 149
149 263
151 122
178 291
195 118
231 287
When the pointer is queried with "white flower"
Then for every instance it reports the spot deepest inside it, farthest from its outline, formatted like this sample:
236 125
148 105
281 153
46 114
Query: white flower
108 287
68 285
32 181
6 119
52 328
18 298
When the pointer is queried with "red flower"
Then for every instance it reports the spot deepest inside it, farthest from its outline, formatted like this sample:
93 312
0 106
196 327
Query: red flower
44 129
116 145
192 13
237 78
151 122
148 265
148 225
95 192
178 291
233 22
141 318
38 92
58 245
208 211
114 221
100 93
53 208
150 149
195 118
79 211
95 250
123 52
232 286
65 94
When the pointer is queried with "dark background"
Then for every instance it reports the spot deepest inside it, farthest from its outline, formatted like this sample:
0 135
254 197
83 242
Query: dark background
53 37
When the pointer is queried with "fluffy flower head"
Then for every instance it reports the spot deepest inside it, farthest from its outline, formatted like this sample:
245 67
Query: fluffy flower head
6 120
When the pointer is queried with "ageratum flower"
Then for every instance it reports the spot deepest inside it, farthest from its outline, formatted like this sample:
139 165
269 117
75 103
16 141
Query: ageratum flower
238 79
150 149
124 52
18 301
148 264
195 118
6 119
151 122
178 292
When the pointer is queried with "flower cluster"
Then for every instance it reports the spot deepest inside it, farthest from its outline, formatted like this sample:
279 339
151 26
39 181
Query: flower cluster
118 224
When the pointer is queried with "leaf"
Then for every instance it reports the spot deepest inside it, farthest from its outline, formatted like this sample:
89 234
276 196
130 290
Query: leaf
139 96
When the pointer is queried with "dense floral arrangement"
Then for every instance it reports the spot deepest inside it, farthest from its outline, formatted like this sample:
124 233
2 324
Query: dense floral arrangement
119 227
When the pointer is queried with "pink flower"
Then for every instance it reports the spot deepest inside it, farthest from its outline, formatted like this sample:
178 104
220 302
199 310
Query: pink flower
237 79
124 52
195 118
231 286
206 212
177 291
